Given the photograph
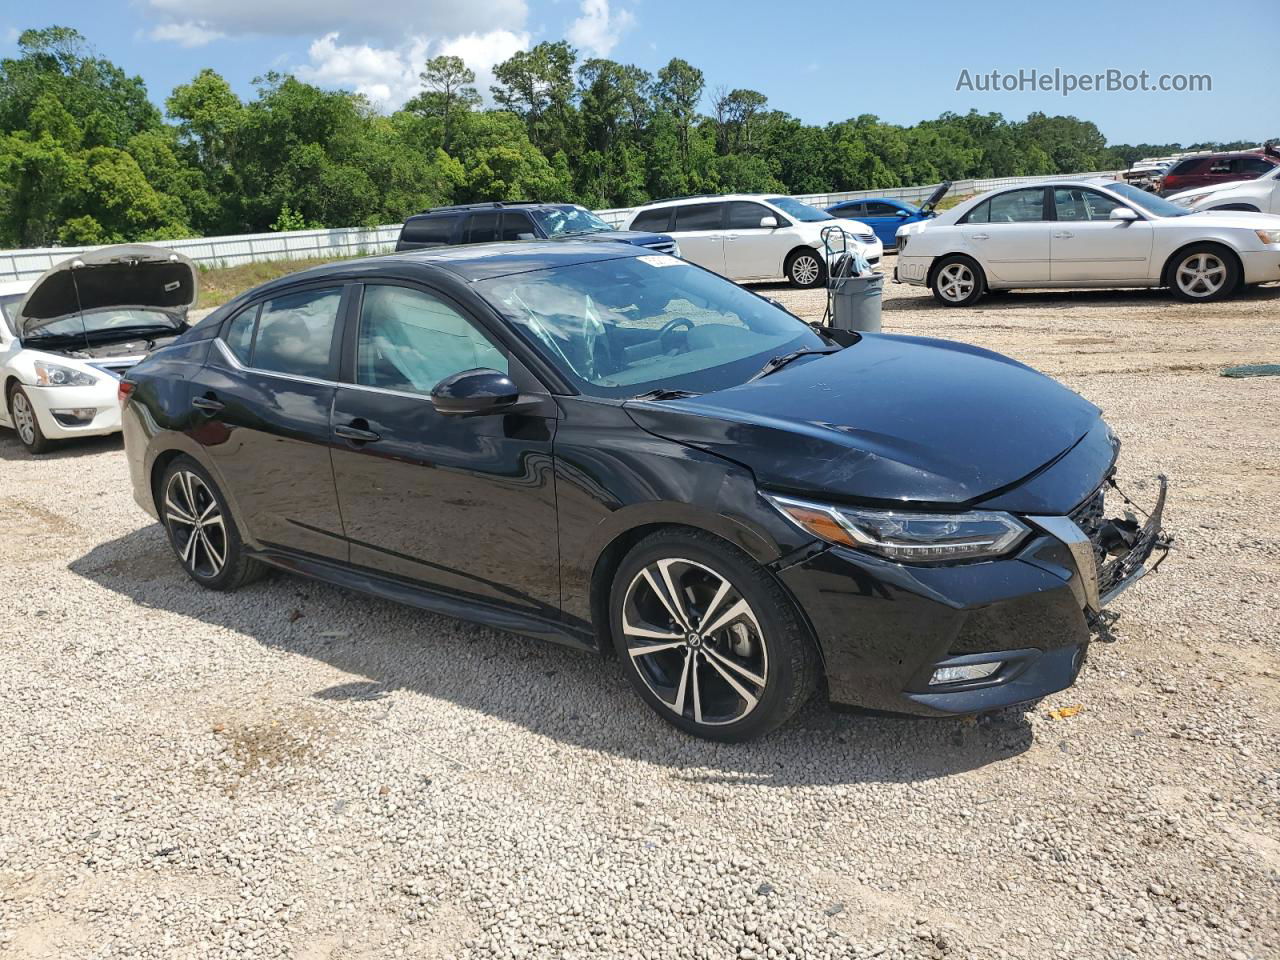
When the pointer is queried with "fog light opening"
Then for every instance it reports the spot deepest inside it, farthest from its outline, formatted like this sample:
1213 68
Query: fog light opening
75 416
966 673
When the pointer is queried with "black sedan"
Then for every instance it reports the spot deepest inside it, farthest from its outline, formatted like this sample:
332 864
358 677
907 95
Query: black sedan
620 451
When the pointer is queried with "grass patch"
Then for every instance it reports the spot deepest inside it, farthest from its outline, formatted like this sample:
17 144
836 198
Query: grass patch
951 200
220 284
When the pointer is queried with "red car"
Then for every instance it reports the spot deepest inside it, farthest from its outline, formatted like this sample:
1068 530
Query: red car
1211 168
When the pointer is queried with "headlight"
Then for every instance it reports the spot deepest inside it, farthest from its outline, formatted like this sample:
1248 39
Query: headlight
906 536
55 375
1268 236
1187 201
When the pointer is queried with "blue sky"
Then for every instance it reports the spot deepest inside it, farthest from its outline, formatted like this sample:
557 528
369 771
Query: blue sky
821 60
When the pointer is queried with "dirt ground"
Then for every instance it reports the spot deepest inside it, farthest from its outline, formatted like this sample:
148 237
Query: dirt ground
298 771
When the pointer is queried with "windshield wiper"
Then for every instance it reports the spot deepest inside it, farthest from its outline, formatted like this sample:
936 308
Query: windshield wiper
661 393
777 363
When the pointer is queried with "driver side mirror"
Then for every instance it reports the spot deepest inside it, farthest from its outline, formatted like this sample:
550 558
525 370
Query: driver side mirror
475 393
769 222
903 213
1122 213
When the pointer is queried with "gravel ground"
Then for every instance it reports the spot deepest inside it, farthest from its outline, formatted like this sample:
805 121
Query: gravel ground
298 771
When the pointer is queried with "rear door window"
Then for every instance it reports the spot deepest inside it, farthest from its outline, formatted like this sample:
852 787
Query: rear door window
699 216
428 231
658 220
1016 206
483 228
239 336
295 333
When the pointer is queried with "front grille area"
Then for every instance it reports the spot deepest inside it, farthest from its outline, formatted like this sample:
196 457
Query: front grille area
665 247
1091 518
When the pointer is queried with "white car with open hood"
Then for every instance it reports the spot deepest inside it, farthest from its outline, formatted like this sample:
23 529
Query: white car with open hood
1096 233
67 337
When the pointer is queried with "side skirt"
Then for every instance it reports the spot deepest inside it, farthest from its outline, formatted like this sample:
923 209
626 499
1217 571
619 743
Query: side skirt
424 598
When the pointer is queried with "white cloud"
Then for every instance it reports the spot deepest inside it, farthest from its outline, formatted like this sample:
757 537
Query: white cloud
385 21
598 29
185 34
388 76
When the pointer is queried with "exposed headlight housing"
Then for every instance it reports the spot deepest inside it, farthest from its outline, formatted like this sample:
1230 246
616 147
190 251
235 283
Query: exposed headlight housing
1268 236
56 375
907 536
1188 200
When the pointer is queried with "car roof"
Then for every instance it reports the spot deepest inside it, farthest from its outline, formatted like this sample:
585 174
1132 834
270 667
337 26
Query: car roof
706 198
467 262
481 207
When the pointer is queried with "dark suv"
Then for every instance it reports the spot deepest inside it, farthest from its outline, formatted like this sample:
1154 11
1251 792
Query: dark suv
1214 168
490 222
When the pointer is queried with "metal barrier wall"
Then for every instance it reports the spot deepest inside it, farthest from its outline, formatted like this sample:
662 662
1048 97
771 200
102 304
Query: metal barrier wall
359 241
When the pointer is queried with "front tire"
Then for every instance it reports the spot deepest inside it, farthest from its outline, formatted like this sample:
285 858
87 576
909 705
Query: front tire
23 417
1202 273
201 529
806 270
708 638
957 282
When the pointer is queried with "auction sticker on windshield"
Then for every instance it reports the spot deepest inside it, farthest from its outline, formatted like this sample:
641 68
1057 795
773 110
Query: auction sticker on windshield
661 260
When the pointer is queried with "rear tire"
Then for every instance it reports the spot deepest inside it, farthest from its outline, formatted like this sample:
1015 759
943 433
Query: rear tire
23 417
725 655
957 281
805 269
201 529
1202 273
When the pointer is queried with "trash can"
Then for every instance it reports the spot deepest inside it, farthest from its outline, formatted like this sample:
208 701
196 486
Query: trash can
855 302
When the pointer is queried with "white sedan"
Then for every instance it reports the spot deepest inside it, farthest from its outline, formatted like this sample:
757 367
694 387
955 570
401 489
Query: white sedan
67 337
1072 233
1261 195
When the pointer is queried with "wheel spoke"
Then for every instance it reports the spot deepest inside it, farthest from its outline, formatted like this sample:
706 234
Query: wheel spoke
739 609
697 693
707 614
651 648
189 549
215 558
631 630
747 696
678 706
175 512
746 674
211 508
673 594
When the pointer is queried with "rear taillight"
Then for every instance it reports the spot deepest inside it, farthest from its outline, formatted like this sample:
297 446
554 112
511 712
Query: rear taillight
125 388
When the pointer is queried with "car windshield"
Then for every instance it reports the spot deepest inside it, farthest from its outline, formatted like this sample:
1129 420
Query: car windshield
623 327
103 322
1156 206
568 221
800 211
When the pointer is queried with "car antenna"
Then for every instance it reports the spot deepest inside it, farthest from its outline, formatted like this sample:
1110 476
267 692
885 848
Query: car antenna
78 264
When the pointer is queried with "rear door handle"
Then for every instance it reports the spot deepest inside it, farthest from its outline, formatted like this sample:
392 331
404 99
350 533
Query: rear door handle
352 432
1063 235
208 404
979 236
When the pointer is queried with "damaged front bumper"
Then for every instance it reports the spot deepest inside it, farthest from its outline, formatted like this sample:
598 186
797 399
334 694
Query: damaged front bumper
894 636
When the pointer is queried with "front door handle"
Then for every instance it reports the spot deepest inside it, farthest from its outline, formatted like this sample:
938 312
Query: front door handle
351 432
1063 235
979 236
208 404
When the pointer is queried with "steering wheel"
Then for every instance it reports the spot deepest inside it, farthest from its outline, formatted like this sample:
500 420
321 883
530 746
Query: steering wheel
669 328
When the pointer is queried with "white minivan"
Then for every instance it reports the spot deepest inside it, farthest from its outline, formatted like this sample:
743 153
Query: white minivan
746 236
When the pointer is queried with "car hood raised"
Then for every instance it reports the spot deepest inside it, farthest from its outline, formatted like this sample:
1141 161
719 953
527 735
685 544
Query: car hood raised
126 275
890 419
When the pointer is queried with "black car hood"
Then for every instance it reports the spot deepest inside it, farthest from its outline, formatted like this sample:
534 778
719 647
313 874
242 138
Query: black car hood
126 275
890 419
641 238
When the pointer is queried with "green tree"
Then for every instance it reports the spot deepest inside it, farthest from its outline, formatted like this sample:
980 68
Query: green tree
449 90
537 85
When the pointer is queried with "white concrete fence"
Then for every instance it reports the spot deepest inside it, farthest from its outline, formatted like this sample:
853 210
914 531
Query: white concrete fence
362 241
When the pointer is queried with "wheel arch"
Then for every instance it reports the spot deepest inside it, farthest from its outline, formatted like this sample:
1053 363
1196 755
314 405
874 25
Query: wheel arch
1166 271
940 260
1242 207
